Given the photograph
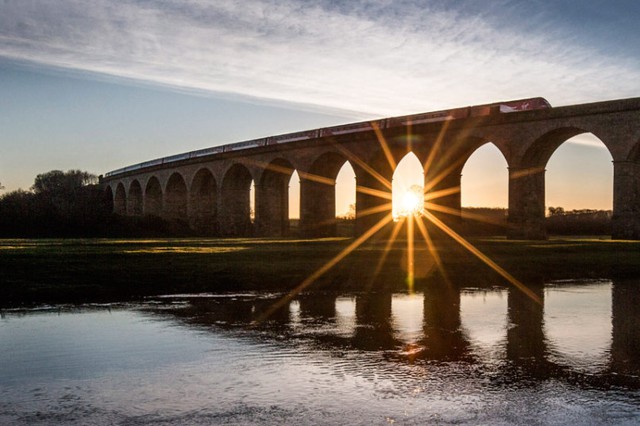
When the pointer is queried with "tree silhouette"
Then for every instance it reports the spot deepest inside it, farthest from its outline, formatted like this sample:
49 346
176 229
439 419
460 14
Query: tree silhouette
58 204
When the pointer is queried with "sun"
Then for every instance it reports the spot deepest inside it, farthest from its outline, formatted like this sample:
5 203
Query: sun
411 203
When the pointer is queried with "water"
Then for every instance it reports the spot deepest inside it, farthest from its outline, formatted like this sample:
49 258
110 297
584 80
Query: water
444 356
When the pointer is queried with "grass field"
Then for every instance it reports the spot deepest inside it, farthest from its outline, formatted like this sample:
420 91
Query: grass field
74 270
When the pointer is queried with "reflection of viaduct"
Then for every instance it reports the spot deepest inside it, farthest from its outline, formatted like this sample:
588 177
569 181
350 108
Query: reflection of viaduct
211 190
443 336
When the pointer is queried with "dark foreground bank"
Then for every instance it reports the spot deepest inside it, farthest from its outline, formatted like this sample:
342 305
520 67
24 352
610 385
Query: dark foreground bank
52 270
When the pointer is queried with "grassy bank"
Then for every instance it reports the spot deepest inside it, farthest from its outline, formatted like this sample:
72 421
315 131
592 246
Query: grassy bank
50 270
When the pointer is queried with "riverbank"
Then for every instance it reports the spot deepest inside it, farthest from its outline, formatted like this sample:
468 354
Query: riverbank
80 270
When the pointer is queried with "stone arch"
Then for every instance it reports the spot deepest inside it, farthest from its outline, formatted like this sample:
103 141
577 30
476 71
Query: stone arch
527 199
175 198
272 199
345 200
120 200
541 150
135 199
491 155
203 203
235 210
484 191
153 197
318 195
586 160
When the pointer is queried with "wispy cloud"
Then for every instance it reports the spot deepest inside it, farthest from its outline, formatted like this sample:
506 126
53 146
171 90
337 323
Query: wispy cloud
379 57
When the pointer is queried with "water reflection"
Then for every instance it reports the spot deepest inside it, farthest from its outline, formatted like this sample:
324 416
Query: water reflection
484 318
578 324
407 317
625 341
525 336
574 328
345 316
457 355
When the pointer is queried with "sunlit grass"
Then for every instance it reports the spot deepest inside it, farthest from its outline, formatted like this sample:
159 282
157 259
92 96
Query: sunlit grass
97 270
201 250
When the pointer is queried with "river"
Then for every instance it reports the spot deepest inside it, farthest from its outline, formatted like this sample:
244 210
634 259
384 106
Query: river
443 356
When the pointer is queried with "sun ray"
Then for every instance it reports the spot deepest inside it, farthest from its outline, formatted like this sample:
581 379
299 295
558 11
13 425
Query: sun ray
441 193
433 181
410 254
433 250
269 166
526 172
288 171
385 147
484 258
316 178
351 157
436 145
326 267
452 150
375 192
387 247
463 214
373 210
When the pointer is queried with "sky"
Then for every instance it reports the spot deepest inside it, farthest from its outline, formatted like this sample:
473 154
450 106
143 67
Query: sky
103 84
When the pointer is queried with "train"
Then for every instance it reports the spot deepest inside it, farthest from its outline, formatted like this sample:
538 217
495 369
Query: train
364 126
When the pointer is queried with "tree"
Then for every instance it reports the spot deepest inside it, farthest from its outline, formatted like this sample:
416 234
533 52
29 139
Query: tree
556 211
59 204
349 215
57 181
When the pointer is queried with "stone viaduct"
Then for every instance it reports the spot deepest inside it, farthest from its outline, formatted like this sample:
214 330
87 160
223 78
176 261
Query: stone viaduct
209 189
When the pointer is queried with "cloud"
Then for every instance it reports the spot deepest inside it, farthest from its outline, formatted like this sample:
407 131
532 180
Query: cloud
376 57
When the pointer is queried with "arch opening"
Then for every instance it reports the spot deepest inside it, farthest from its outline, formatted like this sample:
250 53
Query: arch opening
345 194
407 186
579 187
293 225
203 199
153 198
175 203
294 196
252 201
135 199
120 200
484 192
